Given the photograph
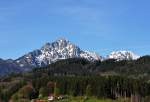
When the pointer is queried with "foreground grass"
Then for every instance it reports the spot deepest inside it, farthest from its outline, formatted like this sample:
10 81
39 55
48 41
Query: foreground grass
81 99
90 99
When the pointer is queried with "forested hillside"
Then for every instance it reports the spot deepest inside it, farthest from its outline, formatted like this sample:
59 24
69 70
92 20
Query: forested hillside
108 79
73 67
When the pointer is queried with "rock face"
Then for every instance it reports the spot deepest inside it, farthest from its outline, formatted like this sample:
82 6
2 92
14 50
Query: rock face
123 55
52 52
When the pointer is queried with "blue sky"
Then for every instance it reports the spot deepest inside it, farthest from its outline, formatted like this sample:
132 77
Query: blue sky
96 25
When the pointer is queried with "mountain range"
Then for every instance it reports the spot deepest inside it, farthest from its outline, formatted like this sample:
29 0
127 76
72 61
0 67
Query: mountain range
57 50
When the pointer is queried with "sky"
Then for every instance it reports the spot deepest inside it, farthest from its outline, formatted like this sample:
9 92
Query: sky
102 26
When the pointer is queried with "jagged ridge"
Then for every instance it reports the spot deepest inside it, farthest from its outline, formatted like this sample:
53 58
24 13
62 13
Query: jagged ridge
123 55
52 52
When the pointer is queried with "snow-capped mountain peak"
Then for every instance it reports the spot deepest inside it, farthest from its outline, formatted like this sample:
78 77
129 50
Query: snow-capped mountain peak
123 55
52 52
64 49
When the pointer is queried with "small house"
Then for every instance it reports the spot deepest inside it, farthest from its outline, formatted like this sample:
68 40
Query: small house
51 97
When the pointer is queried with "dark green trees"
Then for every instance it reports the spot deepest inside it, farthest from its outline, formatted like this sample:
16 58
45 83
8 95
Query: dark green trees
88 90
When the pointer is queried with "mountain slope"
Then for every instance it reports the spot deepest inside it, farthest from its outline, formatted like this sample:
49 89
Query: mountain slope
52 52
8 66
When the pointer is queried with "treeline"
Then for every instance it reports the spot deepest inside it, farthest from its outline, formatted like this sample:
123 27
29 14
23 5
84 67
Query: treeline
8 88
112 87
102 87
137 68
74 67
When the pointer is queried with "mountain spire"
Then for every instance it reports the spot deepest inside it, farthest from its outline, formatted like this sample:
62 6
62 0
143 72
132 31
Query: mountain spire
52 52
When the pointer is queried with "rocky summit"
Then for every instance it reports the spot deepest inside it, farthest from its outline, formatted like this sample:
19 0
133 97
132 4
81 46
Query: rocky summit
52 52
